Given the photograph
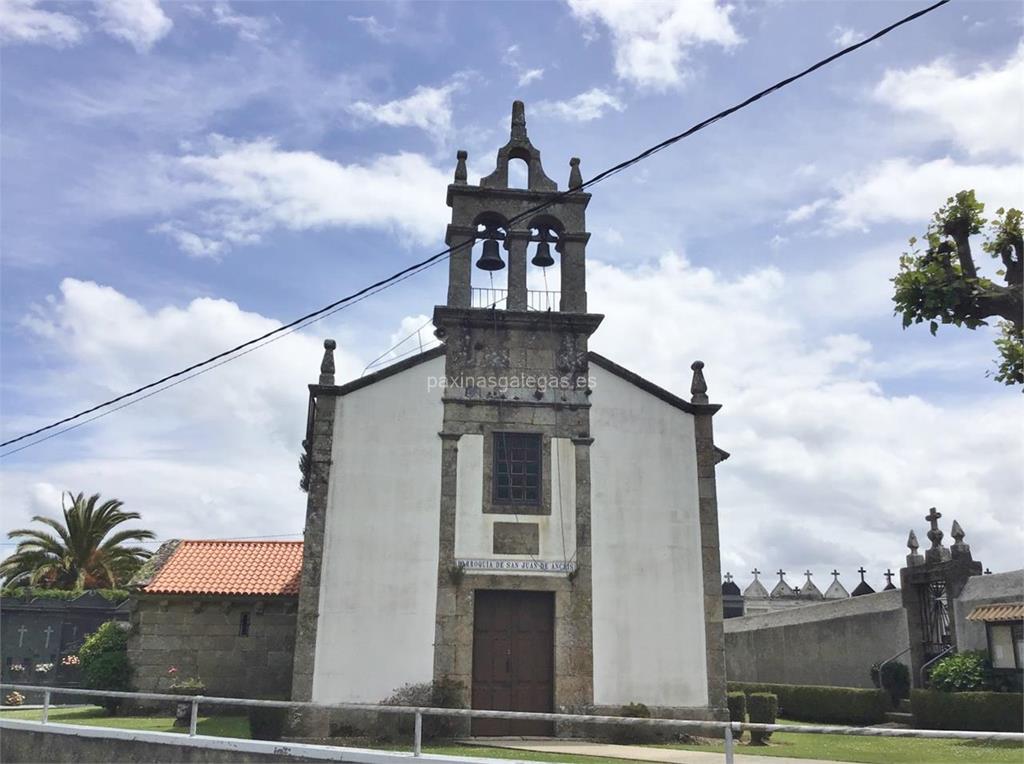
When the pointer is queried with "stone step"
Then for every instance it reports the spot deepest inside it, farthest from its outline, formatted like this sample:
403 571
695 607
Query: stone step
904 706
900 717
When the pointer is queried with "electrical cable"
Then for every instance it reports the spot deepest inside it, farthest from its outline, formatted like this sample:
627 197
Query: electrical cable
416 267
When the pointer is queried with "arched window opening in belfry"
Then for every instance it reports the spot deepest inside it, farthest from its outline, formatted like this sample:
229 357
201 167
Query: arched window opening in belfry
518 173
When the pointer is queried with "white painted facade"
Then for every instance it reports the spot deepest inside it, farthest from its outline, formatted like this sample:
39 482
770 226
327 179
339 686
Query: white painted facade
474 530
379 577
648 604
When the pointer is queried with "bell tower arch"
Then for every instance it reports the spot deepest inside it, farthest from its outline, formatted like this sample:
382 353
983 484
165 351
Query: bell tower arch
515 460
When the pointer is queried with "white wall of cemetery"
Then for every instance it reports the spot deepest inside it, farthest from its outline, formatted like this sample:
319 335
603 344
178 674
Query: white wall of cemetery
649 638
378 587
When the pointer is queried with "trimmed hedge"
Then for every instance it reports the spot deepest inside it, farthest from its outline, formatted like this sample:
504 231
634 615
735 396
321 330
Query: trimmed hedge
737 702
813 703
764 709
987 711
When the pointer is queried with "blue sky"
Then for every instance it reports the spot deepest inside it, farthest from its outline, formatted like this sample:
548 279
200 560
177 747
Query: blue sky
178 177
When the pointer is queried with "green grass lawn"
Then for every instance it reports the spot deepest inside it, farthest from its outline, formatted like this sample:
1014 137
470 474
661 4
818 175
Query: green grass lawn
877 750
94 716
867 750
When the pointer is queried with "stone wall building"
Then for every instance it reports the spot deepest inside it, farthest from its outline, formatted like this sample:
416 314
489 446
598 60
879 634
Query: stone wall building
219 611
945 605
476 513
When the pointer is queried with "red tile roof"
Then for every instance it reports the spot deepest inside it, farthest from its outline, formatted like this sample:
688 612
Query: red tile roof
230 567
1011 611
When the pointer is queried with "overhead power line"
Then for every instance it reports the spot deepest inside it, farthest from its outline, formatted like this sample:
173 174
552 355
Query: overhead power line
316 315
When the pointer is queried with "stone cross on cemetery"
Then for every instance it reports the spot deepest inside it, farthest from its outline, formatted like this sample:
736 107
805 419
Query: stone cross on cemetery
48 630
934 533
728 578
755 573
862 571
21 636
835 574
781 573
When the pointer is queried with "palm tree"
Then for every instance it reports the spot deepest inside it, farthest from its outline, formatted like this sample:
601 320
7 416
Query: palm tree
83 554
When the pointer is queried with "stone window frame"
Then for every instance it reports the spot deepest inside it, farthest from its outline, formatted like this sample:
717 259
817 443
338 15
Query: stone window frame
532 444
492 507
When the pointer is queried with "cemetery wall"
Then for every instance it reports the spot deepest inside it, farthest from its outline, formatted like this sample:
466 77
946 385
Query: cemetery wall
828 643
238 647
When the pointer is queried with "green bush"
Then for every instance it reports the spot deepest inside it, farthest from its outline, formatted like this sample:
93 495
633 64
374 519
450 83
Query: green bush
813 703
895 679
36 592
737 702
763 708
441 694
622 734
986 711
961 672
104 662
266 723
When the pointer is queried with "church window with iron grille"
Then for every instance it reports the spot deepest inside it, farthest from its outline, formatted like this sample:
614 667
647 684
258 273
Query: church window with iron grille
517 468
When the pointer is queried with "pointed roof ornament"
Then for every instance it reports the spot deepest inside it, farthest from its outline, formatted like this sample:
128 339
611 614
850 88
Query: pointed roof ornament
460 166
959 548
698 387
914 558
327 364
575 176
836 591
518 132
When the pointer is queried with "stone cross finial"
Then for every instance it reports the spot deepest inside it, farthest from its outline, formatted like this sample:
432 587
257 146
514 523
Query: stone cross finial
755 573
575 176
835 574
862 571
728 577
698 387
888 578
460 166
781 573
934 533
988 572
518 121
327 365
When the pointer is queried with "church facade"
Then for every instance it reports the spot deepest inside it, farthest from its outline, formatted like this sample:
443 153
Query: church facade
511 511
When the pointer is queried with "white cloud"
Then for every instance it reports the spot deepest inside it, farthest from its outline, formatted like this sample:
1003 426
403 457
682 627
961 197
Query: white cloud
819 446
141 23
526 76
251 28
374 28
194 459
982 111
585 107
428 108
843 37
237 191
22 21
805 211
652 42
901 190
191 243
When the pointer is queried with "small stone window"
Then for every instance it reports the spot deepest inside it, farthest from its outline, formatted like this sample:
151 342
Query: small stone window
243 624
517 468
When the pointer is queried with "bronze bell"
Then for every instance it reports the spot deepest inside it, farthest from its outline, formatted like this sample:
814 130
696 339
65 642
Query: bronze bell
543 257
490 260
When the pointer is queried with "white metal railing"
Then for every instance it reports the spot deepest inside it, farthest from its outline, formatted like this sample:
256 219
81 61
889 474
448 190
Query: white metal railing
729 728
543 300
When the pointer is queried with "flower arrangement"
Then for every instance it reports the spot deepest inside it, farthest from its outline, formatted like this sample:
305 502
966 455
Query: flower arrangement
17 668
70 660
44 668
14 698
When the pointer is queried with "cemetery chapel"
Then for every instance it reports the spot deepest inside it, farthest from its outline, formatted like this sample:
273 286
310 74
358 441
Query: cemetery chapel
511 511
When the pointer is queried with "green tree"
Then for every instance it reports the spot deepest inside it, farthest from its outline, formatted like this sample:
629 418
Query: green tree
85 552
942 285
104 660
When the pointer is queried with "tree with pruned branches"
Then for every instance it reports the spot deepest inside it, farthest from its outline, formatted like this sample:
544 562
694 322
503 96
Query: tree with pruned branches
941 283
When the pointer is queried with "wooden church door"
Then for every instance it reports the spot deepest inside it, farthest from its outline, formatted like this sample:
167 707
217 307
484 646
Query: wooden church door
513 659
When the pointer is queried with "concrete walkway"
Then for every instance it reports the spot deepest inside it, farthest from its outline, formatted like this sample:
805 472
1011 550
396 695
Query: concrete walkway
636 752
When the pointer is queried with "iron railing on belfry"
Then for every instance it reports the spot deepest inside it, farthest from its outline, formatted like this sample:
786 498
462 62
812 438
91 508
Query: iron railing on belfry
730 729
541 300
